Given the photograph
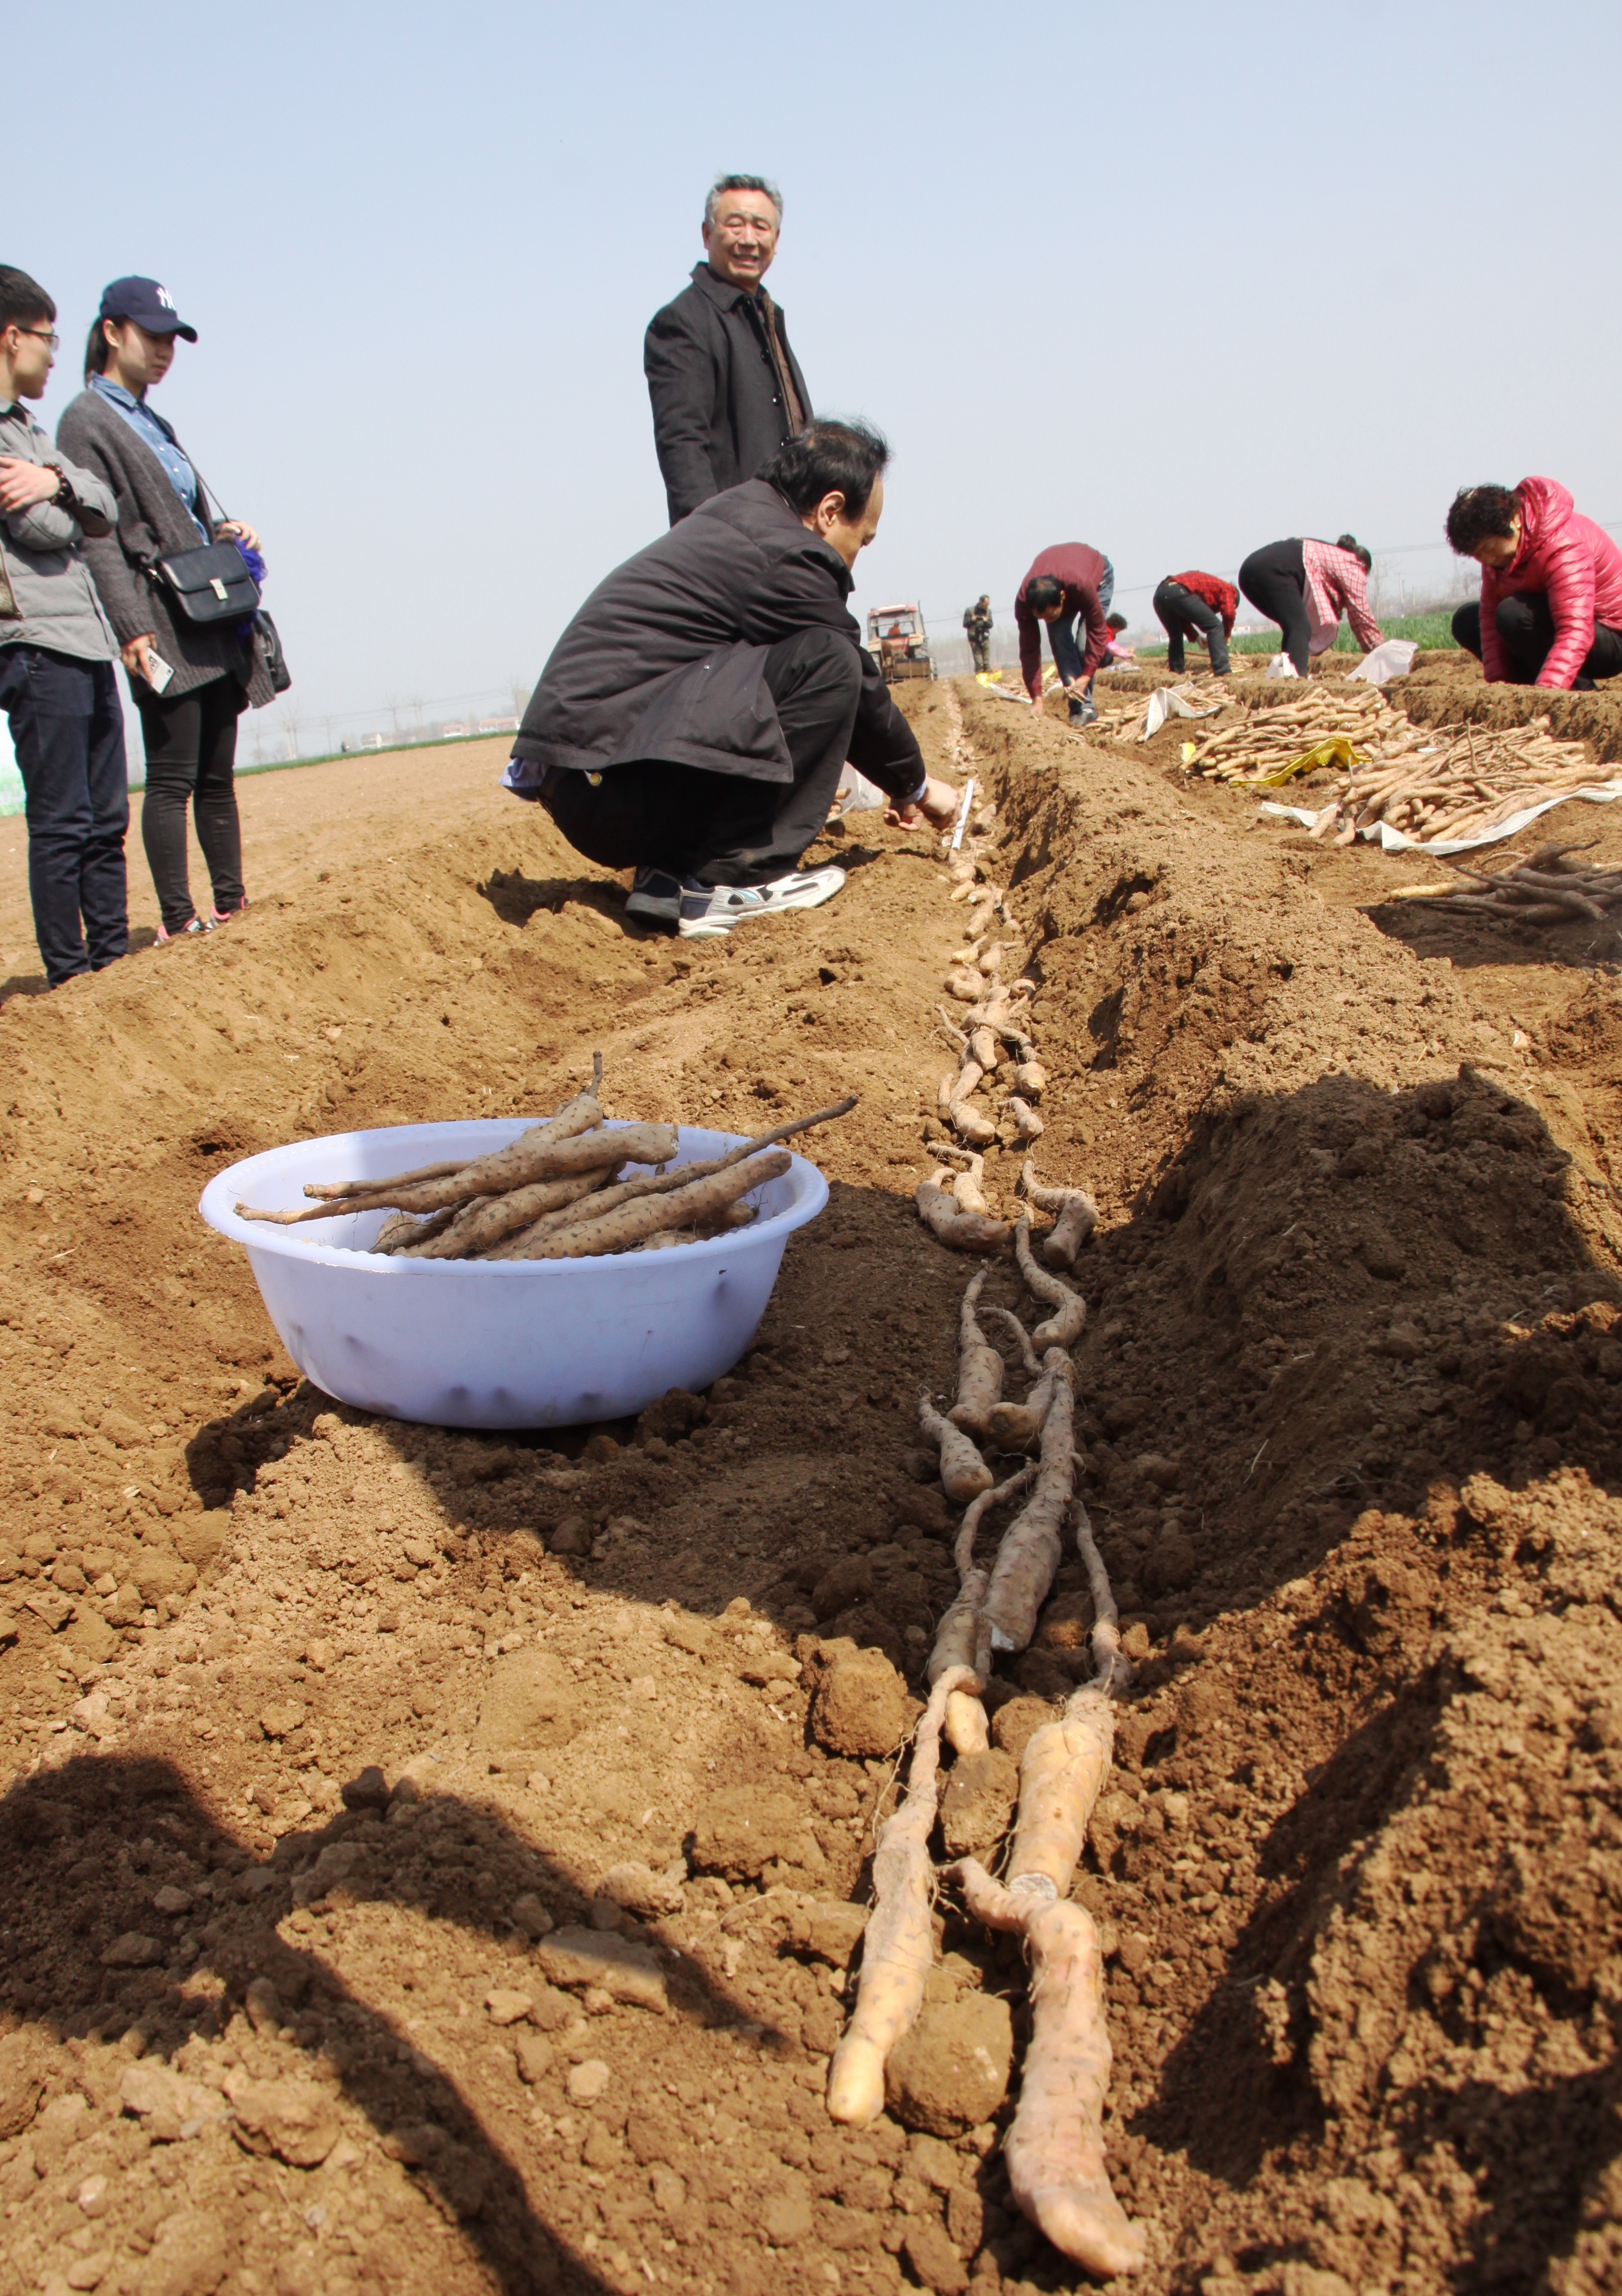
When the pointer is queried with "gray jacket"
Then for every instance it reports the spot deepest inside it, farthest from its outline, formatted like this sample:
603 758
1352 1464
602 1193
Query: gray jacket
55 596
153 524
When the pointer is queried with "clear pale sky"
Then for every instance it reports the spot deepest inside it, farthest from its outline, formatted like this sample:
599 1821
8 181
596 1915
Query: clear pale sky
1172 279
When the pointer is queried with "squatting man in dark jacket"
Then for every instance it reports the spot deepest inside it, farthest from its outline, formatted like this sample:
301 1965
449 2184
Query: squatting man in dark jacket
726 388
694 717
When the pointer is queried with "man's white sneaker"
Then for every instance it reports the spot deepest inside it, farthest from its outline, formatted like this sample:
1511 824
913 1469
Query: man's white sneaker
708 911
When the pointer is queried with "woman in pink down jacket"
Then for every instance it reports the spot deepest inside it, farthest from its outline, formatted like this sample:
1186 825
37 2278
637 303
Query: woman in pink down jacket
1551 609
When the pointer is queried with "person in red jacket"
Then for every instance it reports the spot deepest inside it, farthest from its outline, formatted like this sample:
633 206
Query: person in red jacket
1551 607
1070 581
1199 606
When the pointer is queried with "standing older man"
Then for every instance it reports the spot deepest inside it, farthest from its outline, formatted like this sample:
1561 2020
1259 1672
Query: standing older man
726 388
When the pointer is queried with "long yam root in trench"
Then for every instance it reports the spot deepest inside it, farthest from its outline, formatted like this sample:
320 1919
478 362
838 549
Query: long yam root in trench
1017 1426
897 1950
1062 1328
1027 1124
969 1187
1054 2150
964 1473
1077 1217
979 1367
1032 1543
942 1214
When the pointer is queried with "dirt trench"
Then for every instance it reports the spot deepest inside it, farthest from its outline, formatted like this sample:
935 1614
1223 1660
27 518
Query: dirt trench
320 1732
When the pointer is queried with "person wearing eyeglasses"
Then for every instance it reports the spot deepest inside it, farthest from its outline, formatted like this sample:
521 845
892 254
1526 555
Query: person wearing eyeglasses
726 391
191 681
57 651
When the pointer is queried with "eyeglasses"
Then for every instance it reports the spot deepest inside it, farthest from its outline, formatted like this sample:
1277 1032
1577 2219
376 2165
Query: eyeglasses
46 334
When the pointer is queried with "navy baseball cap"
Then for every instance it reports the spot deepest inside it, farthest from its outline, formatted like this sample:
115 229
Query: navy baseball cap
148 304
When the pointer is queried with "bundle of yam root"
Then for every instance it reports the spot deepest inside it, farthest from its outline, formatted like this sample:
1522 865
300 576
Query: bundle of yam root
1430 781
1550 888
556 1192
1136 719
1054 2148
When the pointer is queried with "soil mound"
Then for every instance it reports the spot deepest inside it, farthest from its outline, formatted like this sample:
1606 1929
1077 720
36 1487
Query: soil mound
438 1861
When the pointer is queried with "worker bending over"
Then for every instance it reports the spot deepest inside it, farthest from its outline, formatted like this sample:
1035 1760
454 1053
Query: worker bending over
1198 606
1070 582
694 719
1305 586
1549 612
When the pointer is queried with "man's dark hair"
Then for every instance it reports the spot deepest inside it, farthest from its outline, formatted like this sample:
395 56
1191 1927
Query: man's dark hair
1476 513
23 301
1364 558
1043 593
828 458
742 184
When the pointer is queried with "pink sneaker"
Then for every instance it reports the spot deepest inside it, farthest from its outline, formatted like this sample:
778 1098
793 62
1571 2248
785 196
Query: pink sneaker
188 932
224 916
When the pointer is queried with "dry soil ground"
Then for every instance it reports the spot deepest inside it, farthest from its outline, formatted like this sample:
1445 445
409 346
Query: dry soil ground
1353 1409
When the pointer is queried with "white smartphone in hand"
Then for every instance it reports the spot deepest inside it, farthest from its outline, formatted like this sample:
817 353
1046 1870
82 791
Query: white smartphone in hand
158 671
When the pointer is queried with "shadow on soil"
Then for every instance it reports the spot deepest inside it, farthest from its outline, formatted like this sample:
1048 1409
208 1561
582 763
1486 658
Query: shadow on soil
81 1839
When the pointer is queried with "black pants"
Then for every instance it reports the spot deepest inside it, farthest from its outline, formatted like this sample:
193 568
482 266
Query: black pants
191 755
724 829
1526 632
1274 580
1183 613
68 730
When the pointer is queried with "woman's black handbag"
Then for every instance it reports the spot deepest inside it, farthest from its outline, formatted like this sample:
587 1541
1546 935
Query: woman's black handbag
211 584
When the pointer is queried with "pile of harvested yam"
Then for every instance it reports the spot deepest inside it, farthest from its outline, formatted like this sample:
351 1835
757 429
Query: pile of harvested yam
1428 781
1138 719
1549 888
556 1192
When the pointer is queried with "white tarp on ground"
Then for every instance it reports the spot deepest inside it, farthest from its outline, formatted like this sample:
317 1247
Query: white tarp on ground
1392 841
1172 701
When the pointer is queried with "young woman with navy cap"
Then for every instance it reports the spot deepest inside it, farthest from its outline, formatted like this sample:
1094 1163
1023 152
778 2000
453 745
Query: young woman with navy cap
188 720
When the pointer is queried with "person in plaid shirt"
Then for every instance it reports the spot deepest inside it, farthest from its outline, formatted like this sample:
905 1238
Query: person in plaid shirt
1305 586
1197 605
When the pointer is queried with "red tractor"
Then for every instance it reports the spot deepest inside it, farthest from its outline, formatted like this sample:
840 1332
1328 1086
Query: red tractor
897 636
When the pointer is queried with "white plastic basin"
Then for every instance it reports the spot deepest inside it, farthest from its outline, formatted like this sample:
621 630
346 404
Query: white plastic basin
497 1343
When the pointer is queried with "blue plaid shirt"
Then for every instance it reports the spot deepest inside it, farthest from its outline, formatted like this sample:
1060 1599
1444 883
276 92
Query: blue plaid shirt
153 431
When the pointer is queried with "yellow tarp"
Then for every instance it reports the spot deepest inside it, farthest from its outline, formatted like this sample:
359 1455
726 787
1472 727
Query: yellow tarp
1336 751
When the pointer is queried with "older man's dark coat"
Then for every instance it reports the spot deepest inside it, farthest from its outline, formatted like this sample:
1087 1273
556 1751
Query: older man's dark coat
718 410
665 659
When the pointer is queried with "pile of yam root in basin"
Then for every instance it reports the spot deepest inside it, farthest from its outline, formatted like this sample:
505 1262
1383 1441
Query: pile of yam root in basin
557 1192
1430 781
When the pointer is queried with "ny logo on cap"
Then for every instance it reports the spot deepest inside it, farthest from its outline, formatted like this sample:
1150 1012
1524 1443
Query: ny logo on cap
165 298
